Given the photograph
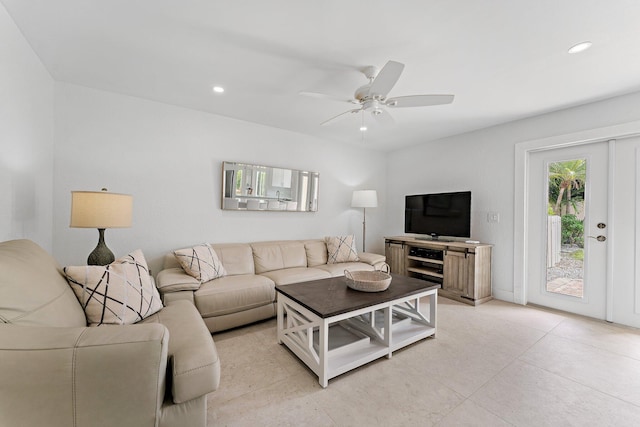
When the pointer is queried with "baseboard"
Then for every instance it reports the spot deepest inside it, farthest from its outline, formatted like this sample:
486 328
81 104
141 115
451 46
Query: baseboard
503 295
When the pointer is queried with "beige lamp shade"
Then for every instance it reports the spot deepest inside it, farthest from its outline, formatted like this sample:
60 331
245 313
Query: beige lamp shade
364 199
100 209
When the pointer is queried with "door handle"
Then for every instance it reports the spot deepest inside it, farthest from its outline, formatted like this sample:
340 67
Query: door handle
600 238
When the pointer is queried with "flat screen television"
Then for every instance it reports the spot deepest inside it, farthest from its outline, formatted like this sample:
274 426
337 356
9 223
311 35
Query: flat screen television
441 214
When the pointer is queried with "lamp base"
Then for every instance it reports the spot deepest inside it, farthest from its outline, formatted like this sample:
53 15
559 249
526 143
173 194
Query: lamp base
101 255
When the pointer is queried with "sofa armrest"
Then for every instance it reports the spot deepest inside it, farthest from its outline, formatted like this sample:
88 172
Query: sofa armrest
109 375
175 280
193 357
373 259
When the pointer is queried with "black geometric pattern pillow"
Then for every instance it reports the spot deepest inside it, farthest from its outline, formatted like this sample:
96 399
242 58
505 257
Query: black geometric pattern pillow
121 293
200 262
341 249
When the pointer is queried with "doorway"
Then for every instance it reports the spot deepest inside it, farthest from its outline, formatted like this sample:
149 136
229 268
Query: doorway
568 202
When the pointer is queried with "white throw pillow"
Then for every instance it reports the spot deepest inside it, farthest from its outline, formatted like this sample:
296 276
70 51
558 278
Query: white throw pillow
121 293
200 262
341 249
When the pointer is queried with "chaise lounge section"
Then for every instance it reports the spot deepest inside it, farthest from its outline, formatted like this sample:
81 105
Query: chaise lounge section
246 293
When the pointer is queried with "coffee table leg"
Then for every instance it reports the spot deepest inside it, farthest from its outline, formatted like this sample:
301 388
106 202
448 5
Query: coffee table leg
323 376
388 323
433 311
280 317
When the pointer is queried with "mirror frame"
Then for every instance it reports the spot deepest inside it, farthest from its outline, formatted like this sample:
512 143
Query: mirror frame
268 188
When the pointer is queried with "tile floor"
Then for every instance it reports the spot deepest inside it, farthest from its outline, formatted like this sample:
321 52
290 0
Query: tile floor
497 364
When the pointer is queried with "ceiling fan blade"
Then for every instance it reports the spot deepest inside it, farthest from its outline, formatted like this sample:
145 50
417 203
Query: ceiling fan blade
325 96
386 79
419 100
340 116
384 118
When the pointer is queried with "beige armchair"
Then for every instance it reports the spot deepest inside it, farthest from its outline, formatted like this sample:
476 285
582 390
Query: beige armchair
55 371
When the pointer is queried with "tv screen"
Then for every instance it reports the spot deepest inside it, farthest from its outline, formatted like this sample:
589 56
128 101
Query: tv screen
442 214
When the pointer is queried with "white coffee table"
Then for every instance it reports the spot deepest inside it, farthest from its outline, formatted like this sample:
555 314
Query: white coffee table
334 329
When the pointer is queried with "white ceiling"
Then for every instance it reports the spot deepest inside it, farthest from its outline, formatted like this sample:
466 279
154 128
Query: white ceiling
503 59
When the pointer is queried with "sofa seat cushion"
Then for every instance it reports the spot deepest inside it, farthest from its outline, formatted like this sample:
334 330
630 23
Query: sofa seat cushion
337 270
287 276
231 294
195 366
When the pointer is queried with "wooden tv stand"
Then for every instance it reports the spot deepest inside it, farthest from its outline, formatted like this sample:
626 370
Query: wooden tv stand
463 269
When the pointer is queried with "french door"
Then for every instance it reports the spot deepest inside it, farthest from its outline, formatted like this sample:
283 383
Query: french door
625 246
568 229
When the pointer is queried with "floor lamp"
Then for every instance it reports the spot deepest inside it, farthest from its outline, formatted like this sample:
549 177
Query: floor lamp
101 210
364 199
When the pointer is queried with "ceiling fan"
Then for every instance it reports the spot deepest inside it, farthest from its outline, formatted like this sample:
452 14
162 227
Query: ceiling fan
372 97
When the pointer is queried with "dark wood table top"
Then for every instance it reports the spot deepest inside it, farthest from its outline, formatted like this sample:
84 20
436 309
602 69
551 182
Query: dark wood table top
331 297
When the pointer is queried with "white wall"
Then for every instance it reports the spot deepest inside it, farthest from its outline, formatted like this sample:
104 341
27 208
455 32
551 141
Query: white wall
483 162
26 139
170 159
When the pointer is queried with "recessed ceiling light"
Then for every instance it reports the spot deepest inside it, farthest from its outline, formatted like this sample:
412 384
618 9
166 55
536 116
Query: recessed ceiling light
580 47
218 89
363 128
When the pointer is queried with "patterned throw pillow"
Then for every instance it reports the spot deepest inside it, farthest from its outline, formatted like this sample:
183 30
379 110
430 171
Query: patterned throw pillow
120 293
200 262
341 249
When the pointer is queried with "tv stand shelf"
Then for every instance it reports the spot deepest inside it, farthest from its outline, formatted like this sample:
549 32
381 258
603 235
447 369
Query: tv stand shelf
463 269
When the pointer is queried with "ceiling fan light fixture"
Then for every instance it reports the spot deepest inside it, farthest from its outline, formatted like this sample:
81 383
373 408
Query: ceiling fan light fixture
580 47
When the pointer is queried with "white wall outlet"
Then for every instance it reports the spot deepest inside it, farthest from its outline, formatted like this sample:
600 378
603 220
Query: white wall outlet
493 217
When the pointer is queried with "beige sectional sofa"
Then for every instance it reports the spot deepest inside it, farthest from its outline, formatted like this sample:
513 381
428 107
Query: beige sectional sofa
56 371
247 293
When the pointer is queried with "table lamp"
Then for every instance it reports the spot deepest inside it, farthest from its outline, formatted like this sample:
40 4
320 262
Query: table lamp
364 199
101 210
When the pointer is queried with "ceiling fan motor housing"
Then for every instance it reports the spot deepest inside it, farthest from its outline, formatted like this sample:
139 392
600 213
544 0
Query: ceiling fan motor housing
362 92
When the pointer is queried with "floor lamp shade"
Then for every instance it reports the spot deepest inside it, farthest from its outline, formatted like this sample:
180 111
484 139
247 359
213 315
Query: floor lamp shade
364 199
101 210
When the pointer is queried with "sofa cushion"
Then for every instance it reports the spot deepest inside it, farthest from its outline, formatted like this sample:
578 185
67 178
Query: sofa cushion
337 270
269 256
33 292
119 293
287 276
195 366
175 280
233 293
341 249
316 252
376 260
237 258
201 262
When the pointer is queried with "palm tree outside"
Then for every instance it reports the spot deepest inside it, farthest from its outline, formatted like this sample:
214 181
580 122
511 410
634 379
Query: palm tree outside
567 182
566 177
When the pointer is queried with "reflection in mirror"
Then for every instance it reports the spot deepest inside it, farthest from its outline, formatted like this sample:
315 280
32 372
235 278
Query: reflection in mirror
265 188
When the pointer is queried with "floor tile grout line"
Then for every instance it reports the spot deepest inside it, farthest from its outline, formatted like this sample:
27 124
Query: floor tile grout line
618 398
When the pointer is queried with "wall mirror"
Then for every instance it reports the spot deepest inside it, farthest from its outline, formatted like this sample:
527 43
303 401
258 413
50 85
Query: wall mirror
266 188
